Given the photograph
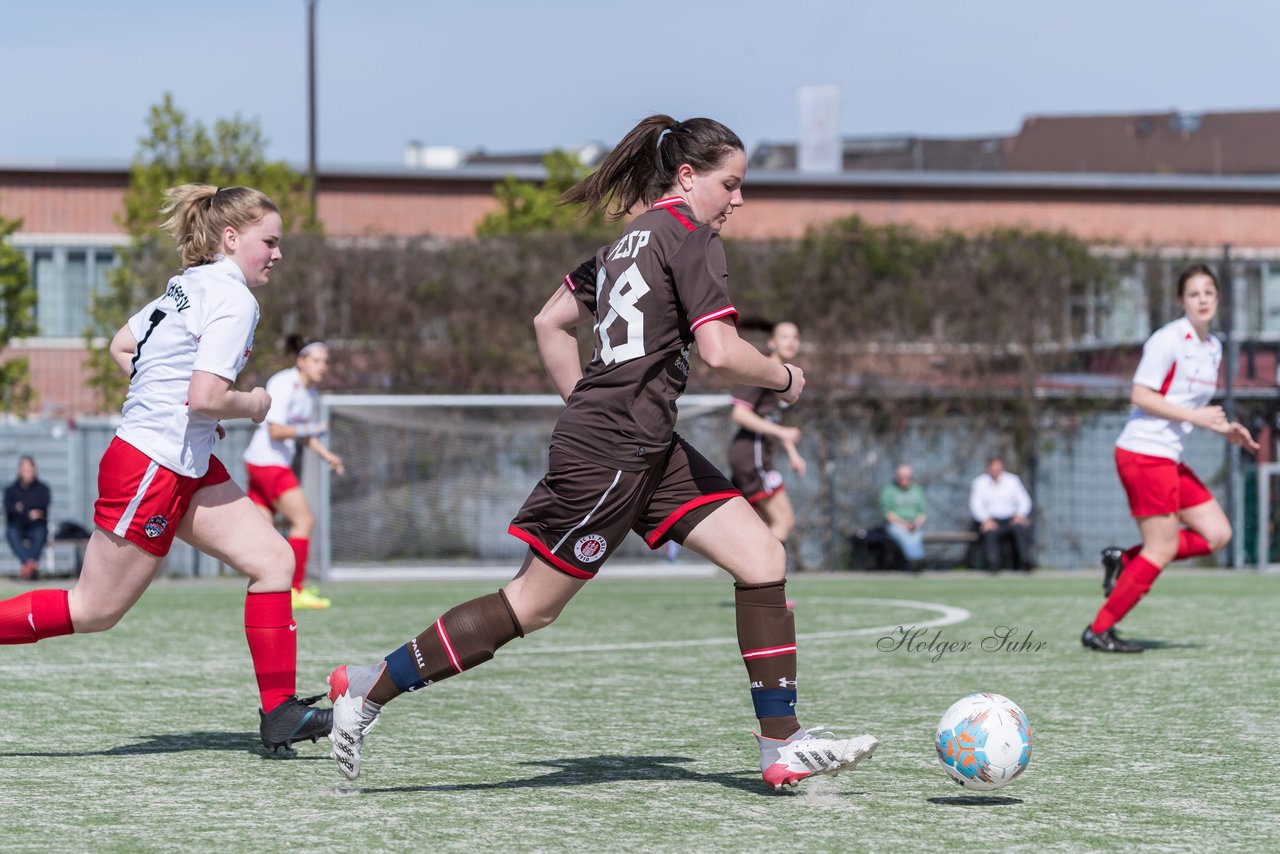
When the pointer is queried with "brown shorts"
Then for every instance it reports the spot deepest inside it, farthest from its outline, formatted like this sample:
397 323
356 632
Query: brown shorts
581 510
751 467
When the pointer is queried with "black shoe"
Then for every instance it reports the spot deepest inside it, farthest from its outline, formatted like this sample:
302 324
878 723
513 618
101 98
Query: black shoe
1112 566
294 720
1107 641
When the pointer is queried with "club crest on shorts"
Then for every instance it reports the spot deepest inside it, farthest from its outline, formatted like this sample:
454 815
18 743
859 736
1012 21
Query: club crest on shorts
772 479
155 526
590 548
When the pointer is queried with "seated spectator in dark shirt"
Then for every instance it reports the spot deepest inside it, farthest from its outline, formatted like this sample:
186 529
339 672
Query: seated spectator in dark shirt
26 507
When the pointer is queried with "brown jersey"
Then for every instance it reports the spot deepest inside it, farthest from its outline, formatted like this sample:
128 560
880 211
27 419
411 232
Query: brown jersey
649 291
764 402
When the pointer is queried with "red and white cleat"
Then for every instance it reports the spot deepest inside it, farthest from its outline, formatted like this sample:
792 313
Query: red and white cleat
353 715
809 752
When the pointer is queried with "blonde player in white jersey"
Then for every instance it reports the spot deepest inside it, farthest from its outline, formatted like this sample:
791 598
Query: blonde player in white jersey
1177 516
159 478
269 459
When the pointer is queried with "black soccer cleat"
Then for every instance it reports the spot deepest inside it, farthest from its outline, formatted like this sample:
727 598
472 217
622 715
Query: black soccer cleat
1107 641
1112 566
294 720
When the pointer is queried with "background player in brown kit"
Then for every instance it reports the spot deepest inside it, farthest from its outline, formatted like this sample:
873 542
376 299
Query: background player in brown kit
616 463
758 414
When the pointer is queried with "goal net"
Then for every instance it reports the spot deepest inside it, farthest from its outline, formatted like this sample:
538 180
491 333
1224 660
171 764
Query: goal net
437 479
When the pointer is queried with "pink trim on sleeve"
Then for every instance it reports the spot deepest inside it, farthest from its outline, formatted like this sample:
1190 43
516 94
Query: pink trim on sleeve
715 315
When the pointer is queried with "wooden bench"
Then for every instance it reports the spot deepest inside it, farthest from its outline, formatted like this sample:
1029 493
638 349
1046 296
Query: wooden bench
873 549
949 539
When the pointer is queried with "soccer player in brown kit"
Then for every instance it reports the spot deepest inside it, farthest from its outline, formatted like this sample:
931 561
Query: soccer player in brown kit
616 463
758 414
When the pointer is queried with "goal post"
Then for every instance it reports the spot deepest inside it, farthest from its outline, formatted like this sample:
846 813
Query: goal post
1268 491
436 479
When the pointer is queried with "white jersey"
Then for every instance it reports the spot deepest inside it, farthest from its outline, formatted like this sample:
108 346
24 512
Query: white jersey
204 322
292 404
1176 363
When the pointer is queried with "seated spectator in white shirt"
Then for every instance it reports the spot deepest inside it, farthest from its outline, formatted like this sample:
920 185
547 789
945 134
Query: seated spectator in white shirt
1002 508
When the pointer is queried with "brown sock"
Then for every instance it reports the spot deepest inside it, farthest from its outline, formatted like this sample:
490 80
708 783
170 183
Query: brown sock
464 637
767 639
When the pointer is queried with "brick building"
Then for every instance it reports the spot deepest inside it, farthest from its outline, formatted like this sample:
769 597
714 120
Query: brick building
70 231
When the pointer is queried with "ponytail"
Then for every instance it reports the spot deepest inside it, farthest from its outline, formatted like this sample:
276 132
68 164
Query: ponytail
644 164
196 215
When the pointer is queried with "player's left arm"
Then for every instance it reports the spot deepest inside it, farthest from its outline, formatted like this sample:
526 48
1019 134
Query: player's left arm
334 461
556 329
1239 435
798 464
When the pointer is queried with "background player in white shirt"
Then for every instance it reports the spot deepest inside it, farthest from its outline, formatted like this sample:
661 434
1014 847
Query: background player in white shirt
269 459
1177 516
159 479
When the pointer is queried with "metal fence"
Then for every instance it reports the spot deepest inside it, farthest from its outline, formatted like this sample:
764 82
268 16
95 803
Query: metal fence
67 455
1080 506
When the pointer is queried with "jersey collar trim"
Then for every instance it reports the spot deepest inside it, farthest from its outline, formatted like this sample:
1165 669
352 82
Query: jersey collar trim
669 201
1189 333
225 264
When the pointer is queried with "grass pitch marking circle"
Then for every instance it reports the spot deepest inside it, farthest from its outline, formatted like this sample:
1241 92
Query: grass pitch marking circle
947 615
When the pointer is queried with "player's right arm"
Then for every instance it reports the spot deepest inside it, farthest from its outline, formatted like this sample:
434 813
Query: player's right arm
747 419
212 396
556 329
1152 402
123 347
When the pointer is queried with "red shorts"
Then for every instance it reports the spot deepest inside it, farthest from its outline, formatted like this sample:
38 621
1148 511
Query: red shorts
143 501
1157 486
268 483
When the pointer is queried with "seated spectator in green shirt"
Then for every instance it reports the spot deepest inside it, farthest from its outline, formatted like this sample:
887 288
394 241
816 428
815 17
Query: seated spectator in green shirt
902 503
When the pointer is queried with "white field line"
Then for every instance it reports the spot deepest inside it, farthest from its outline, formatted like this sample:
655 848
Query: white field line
948 615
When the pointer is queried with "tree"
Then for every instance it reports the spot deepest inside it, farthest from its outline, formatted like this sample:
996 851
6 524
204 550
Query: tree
528 207
177 151
17 319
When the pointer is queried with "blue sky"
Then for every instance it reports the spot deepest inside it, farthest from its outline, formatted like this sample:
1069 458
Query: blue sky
508 75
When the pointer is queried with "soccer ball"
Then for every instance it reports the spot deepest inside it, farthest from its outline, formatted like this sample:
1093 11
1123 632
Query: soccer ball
983 741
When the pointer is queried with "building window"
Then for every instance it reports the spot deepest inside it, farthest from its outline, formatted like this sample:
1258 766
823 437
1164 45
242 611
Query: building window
65 278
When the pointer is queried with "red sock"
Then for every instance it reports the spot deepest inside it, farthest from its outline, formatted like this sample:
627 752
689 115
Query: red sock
1191 544
273 644
1131 553
35 616
1134 583
299 546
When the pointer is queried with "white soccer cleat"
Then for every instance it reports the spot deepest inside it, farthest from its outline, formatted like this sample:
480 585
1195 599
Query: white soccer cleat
804 754
353 715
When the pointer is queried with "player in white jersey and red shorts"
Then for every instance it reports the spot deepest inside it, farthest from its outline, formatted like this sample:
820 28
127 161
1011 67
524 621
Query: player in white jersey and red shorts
1176 514
269 459
616 463
159 479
